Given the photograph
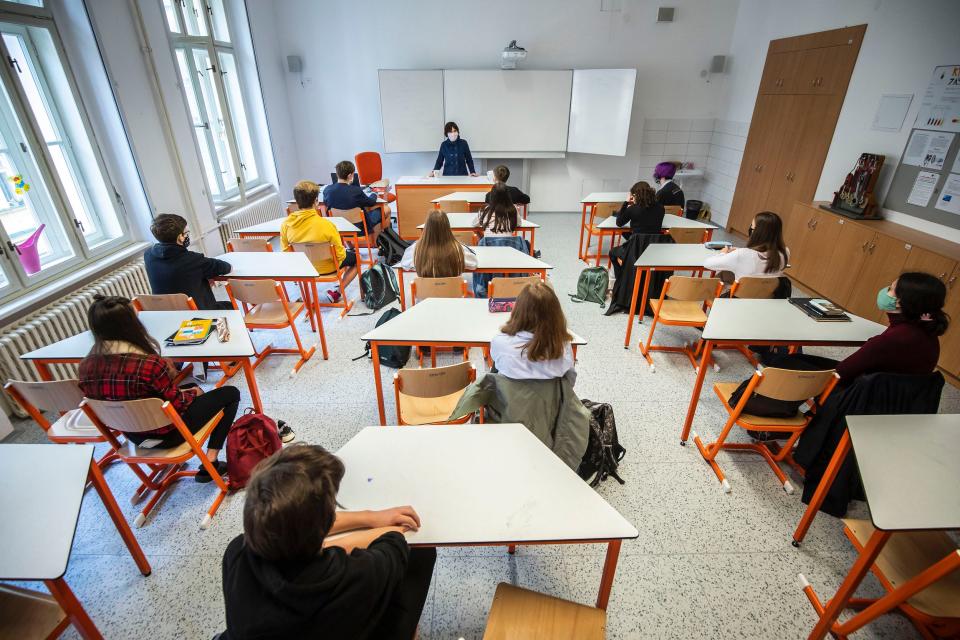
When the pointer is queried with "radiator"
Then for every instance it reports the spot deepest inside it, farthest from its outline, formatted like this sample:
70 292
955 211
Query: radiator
264 209
61 319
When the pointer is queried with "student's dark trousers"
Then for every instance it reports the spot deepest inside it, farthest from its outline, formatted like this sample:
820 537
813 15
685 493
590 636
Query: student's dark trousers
402 616
198 413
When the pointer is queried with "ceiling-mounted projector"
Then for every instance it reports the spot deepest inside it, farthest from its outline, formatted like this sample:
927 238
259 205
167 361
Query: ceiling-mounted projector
512 54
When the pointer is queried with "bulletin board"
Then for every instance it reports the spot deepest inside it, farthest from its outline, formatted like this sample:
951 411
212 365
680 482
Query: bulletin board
927 180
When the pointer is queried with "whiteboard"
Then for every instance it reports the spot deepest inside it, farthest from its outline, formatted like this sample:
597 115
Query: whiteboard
509 111
411 109
600 108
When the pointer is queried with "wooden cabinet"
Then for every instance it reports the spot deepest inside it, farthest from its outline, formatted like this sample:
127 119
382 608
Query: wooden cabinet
779 72
815 247
846 259
884 262
929 262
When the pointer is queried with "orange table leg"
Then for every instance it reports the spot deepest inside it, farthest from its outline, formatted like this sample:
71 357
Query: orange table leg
533 238
403 293
316 300
100 484
74 610
633 301
375 356
609 569
697 387
252 384
709 235
583 220
839 455
43 370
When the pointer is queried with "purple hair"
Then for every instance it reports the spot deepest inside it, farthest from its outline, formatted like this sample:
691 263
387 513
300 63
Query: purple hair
664 170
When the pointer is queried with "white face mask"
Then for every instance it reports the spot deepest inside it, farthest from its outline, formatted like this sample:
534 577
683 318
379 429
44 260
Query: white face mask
452 136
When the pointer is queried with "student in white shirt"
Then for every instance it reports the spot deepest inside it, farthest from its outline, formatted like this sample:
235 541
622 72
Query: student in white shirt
535 343
764 255
437 254
499 217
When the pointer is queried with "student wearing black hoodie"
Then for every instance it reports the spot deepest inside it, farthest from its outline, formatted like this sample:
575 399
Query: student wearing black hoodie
283 579
173 269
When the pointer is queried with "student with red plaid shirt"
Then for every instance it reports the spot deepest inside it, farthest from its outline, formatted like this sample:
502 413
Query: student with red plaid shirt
125 364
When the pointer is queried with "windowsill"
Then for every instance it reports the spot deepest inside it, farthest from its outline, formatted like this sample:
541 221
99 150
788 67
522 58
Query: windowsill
29 302
227 208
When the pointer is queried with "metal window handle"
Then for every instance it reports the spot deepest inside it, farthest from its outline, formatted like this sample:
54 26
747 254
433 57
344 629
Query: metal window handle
79 225
14 248
14 64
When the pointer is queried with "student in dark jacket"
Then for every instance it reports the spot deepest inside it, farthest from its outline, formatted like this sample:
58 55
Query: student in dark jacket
501 174
669 193
454 155
173 269
283 579
346 195
641 210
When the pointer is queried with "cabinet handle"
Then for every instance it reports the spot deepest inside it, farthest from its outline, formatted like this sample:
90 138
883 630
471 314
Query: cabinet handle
815 221
864 246
951 281
872 247
809 223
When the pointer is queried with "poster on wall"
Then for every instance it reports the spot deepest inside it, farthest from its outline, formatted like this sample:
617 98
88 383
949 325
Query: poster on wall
940 107
949 199
923 188
927 149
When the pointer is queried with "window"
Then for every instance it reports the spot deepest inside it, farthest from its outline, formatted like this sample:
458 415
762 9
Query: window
214 92
58 207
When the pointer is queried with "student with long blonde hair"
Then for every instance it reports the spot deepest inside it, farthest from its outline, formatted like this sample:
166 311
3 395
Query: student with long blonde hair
534 344
437 254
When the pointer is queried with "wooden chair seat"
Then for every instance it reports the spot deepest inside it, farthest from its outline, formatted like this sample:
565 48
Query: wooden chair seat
521 614
908 554
28 615
271 313
414 410
726 389
74 424
679 310
131 450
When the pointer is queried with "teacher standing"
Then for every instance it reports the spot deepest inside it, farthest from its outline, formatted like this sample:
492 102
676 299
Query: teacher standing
454 154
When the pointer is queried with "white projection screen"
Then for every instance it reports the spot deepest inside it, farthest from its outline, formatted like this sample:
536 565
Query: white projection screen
600 111
509 111
411 109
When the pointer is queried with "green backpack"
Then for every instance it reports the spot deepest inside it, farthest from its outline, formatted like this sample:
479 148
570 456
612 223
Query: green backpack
592 286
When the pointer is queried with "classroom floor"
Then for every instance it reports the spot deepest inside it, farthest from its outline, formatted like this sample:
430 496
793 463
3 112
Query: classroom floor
706 564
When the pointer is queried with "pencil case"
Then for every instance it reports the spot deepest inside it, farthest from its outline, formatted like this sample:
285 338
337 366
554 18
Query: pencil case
501 305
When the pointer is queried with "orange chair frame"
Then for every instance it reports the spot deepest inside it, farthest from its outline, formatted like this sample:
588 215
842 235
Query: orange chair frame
398 387
593 229
691 354
772 453
330 278
164 471
465 293
356 239
268 248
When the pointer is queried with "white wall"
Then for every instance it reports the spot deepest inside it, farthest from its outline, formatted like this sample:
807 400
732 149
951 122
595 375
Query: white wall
335 112
904 41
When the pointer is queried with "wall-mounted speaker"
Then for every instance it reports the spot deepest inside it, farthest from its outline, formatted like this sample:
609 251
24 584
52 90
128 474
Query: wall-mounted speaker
718 64
294 64
666 14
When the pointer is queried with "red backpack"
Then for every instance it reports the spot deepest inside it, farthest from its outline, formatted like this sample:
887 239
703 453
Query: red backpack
252 438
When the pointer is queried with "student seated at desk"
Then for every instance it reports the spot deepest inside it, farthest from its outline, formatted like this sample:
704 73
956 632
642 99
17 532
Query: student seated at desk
125 364
283 579
498 218
765 253
501 174
346 195
173 269
641 210
669 193
535 342
437 254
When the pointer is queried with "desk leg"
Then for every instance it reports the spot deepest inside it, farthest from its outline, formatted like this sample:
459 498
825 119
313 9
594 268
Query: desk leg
583 220
375 355
839 455
310 301
43 370
633 302
252 384
859 569
697 387
403 293
74 610
609 569
709 235
533 238
103 490
543 274
316 304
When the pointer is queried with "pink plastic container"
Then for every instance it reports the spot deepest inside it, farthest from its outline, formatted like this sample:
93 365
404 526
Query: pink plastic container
29 254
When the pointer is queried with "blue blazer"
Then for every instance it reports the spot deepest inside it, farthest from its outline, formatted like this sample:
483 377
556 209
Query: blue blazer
455 158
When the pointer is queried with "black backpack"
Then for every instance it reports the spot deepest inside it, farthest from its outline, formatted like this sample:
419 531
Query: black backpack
378 286
390 247
390 356
604 452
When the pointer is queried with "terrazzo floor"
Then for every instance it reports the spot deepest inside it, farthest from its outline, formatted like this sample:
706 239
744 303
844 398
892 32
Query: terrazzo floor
706 564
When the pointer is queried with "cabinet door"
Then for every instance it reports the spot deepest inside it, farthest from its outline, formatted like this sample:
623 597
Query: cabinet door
816 250
778 71
790 131
807 71
950 341
850 251
795 227
885 259
801 169
834 67
929 262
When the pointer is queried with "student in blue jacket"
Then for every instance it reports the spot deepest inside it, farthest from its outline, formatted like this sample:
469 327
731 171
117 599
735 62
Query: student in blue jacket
454 154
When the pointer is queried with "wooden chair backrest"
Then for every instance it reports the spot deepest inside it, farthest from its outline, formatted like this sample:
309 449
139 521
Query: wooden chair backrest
794 386
455 206
317 251
354 215
255 291
53 395
131 416
251 245
674 210
437 381
164 302
466 238
692 289
30 614
509 287
762 287
520 613
451 287
686 235
603 210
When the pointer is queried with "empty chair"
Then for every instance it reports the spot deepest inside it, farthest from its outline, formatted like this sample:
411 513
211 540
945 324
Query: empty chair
26 614
428 396
370 169
454 206
165 465
600 212
63 397
681 304
686 235
518 613
249 245
466 238
267 307
318 252
366 238
164 302
509 287
778 384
